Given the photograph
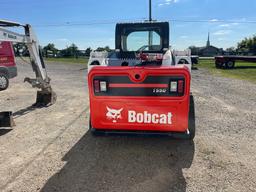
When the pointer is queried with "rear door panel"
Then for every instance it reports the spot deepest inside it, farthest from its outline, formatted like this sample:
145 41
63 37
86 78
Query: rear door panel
7 57
142 104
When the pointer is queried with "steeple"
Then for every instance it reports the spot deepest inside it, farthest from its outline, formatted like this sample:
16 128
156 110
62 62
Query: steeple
208 41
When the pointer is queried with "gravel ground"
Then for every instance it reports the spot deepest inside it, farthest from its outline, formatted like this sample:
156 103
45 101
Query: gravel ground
50 149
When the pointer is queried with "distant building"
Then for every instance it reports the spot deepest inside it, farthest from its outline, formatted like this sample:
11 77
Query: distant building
208 50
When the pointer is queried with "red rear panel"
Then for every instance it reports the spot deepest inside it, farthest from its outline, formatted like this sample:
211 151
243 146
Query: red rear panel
139 99
7 57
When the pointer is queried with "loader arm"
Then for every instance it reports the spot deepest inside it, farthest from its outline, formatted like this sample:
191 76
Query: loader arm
45 96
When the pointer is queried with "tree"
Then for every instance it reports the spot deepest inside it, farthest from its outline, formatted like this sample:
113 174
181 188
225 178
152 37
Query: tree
50 50
73 50
106 48
194 50
88 51
247 45
231 50
70 51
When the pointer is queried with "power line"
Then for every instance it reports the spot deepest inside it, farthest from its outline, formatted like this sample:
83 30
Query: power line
213 21
93 22
108 22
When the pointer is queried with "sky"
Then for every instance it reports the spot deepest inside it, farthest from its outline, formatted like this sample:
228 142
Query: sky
91 23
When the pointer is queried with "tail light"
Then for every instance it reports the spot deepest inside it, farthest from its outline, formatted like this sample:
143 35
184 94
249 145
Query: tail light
177 87
143 56
96 84
180 86
159 57
100 86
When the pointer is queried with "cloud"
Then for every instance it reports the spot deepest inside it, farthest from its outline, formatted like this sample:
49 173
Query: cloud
224 25
222 32
214 20
167 2
229 25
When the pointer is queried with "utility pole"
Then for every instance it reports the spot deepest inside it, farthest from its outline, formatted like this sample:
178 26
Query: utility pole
150 10
150 34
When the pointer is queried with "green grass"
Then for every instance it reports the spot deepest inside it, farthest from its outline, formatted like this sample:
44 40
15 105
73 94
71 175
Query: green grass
242 70
80 60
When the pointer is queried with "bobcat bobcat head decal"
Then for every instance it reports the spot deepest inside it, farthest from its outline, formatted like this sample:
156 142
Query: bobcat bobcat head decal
114 114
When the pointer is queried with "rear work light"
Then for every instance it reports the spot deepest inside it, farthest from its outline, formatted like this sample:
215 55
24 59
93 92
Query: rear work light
177 87
103 86
100 86
173 86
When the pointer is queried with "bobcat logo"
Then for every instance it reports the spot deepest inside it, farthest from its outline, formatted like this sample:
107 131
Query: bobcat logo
114 114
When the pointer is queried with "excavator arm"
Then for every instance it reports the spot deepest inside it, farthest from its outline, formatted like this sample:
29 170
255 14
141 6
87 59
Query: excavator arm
45 96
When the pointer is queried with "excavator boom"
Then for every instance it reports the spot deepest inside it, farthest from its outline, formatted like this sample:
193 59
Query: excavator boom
45 96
